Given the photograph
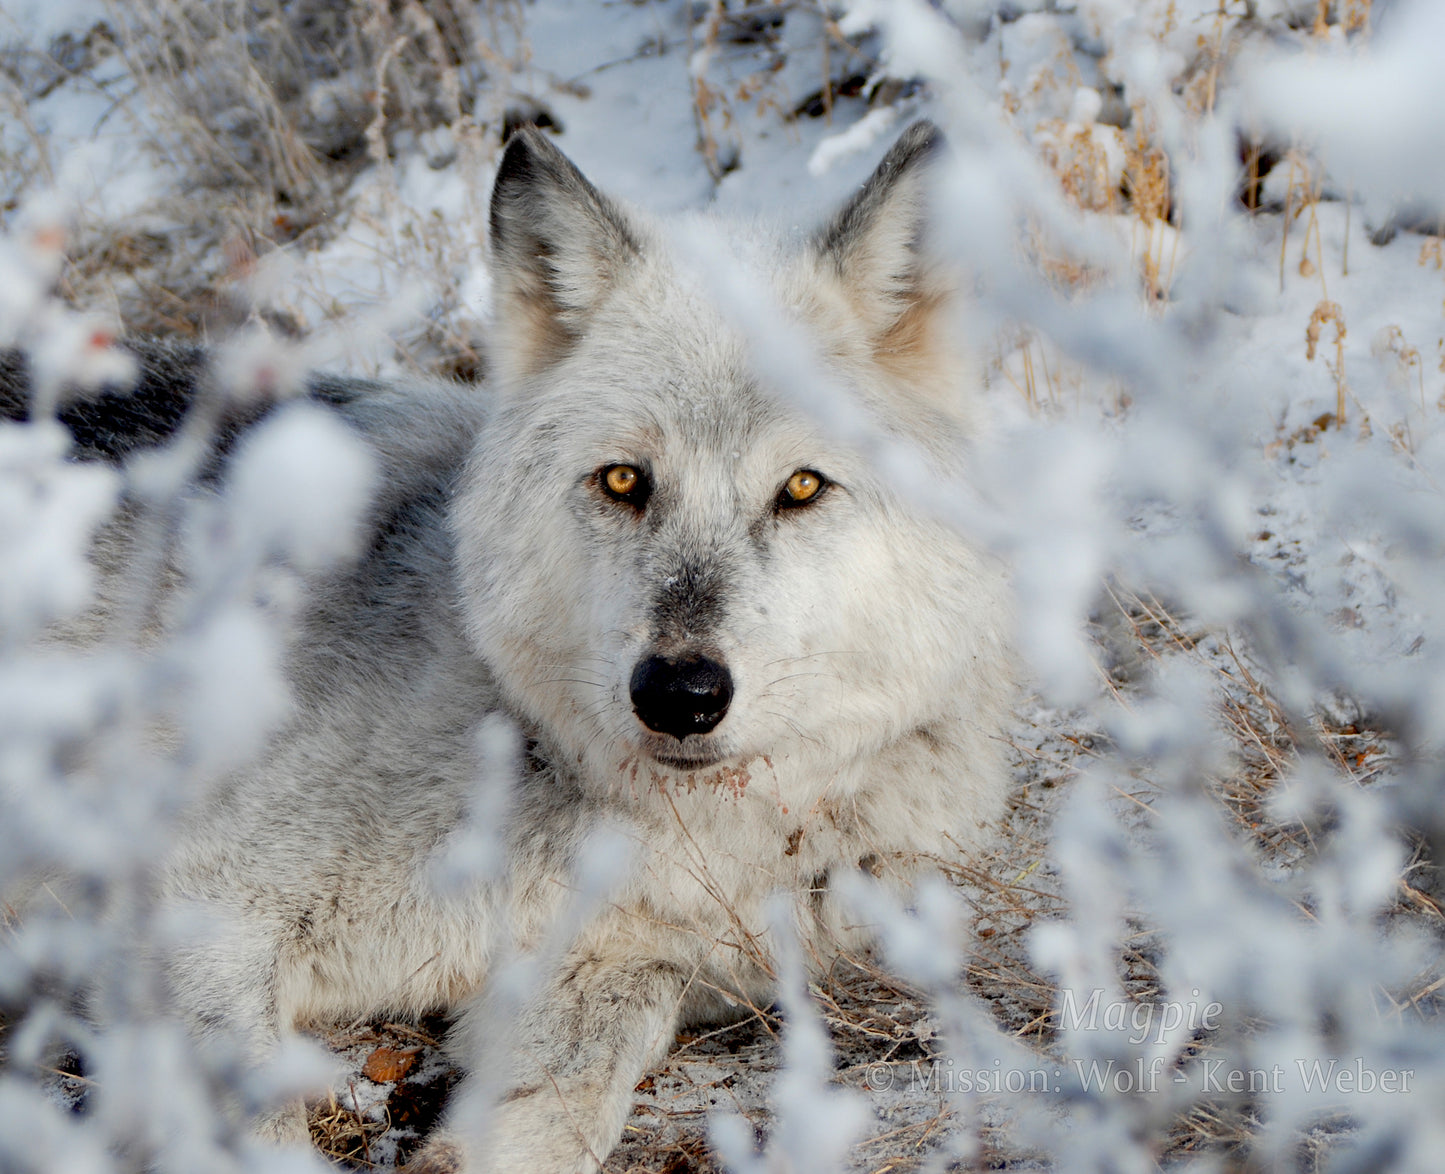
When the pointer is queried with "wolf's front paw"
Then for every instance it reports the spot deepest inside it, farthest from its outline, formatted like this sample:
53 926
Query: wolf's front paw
285 1125
439 1156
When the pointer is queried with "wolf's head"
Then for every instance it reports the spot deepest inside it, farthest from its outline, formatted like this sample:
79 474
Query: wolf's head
669 563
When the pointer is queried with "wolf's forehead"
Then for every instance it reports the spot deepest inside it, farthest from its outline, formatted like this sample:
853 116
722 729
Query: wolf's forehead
693 420
686 381
668 379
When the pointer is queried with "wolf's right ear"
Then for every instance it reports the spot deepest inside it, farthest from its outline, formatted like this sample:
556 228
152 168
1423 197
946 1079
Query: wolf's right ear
558 246
874 247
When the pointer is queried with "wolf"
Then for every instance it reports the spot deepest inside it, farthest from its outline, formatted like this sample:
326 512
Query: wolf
723 637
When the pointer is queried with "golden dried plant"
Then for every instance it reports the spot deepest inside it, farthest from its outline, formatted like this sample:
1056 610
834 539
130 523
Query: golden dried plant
1324 313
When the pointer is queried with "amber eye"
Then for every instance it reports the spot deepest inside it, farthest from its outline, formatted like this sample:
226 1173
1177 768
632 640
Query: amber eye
621 479
626 483
801 488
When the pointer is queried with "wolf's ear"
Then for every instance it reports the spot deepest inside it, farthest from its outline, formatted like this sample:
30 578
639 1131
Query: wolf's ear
558 246
874 245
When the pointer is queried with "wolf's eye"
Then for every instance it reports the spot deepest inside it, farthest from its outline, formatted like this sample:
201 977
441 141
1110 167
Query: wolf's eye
800 489
625 483
622 479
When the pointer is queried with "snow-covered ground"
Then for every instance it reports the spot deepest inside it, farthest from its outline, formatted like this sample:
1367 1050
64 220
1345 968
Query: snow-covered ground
1230 601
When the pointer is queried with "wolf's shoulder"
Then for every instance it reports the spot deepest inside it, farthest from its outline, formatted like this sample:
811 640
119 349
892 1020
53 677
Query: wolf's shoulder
381 621
387 625
421 430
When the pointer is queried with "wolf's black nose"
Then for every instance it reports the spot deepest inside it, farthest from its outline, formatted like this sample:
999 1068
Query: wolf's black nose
681 697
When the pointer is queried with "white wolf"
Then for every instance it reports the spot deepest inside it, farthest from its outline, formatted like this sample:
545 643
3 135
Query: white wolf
716 628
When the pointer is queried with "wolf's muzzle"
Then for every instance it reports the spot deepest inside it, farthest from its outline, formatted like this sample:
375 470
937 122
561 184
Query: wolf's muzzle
681 697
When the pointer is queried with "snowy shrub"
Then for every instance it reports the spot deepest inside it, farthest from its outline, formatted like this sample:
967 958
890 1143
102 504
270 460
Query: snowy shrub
1244 952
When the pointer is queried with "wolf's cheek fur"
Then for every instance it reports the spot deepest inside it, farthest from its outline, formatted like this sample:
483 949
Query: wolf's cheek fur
524 606
830 644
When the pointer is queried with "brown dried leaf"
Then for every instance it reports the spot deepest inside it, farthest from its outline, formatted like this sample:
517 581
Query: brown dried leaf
386 1065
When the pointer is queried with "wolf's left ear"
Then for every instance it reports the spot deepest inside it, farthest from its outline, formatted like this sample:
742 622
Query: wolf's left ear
874 246
559 246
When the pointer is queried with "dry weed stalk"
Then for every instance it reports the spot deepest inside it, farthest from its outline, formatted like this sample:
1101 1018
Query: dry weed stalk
23 168
1352 16
1147 184
1059 75
1289 192
272 107
1028 386
1267 742
1050 256
754 27
1082 162
343 1133
226 120
705 98
1255 158
1357 16
1302 193
1212 50
1308 268
1323 313
1392 342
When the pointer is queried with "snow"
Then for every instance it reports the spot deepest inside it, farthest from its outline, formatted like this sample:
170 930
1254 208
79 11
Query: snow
858 137
300 485
41 21
1357 107
1156 424
49 511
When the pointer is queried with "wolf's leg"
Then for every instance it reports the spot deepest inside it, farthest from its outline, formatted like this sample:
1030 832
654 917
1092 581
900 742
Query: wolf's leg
578 1050
286 1125
229 993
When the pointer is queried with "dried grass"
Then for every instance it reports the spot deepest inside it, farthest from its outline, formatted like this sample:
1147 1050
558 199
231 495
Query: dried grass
266 112
1324 314
738 52
343 1134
